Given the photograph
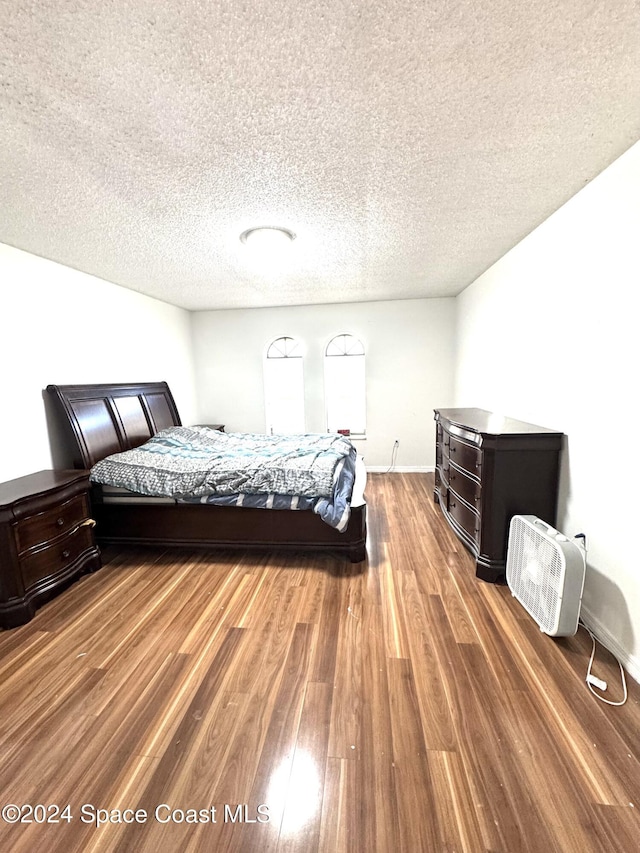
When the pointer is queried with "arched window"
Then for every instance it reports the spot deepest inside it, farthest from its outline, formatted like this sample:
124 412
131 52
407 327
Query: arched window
344 385
284 387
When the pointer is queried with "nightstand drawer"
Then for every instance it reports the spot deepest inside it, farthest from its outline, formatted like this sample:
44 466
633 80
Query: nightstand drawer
50 524
54 559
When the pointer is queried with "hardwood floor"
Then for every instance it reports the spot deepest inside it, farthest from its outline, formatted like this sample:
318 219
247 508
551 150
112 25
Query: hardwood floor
401 705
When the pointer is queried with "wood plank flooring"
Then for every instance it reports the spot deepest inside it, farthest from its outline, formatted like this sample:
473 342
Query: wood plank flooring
270 702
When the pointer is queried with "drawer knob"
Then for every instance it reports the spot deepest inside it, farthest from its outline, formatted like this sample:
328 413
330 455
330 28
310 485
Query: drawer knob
66 554
60 522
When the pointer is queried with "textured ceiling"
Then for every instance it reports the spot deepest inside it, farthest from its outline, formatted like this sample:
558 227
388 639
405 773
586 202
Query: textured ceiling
407 144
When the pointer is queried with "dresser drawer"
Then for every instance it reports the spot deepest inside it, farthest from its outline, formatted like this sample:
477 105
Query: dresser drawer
441 489
49 561
52 523
439 446
465 456
465 486
445 442
465 516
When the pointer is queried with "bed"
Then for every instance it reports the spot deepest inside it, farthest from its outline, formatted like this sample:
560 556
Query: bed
100 420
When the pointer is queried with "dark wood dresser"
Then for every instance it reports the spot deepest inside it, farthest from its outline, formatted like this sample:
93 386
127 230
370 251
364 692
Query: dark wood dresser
488 469
46 540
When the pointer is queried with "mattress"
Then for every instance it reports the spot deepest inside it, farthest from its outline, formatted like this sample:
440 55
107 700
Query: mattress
117 495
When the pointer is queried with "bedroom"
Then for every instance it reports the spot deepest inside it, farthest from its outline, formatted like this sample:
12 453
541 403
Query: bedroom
559 306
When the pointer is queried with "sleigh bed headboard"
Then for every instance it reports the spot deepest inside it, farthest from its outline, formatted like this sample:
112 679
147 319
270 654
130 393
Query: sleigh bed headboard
105 419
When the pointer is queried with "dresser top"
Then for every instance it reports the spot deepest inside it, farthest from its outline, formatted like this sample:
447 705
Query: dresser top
490 423
38 483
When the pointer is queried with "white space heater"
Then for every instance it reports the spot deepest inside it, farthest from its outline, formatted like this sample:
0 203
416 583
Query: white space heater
545 572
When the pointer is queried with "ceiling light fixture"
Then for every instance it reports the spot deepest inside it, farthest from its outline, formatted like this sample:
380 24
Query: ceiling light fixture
267 236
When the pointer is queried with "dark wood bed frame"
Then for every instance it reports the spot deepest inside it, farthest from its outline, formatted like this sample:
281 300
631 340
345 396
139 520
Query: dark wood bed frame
104 419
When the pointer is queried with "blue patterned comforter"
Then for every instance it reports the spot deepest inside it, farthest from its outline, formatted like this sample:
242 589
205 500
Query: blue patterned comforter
198 464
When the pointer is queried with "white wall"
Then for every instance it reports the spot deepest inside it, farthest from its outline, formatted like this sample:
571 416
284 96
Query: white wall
61 326
409 352
549 334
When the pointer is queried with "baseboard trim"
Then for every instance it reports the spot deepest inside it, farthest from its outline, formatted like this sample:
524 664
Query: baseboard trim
630 663
400 469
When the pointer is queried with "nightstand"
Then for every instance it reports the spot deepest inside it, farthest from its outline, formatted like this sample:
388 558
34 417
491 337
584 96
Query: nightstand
46 540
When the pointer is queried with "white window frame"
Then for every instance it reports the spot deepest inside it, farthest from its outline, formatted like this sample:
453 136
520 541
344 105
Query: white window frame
284 355
344 402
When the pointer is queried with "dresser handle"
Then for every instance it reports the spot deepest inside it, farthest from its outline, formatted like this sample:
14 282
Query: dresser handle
60 522
66 554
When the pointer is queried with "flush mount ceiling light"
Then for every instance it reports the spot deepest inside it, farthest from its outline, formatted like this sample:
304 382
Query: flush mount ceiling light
267 236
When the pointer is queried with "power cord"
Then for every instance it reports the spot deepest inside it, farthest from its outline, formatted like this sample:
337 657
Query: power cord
592 681
394 453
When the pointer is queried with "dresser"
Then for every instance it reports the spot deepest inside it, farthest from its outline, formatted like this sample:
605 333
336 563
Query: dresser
488 469
46 540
